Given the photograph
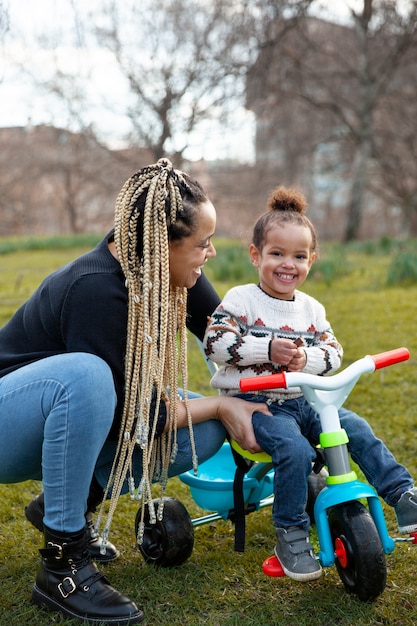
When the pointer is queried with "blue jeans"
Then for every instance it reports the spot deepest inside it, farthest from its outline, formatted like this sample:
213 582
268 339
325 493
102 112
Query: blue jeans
209 436
288 436
55 416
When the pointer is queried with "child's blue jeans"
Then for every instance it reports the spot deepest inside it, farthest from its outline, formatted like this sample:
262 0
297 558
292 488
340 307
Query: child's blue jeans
288 436
55 415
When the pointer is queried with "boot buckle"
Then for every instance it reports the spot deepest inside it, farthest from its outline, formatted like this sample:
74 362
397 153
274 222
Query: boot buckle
59 549
67 587
52 550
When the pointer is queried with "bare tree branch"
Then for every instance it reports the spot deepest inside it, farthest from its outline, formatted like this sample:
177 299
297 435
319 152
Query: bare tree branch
342 74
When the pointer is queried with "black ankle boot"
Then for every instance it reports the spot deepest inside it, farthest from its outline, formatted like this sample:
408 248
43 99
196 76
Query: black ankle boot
35 511
69 581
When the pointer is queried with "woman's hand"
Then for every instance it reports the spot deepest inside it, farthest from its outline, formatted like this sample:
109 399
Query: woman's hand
234 413
236 416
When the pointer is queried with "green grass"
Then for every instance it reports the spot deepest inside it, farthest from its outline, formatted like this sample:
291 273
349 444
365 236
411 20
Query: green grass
218 587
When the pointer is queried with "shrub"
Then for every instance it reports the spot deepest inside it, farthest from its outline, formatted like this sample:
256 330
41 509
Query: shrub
373 247
403 268
232 265
330 268
57 242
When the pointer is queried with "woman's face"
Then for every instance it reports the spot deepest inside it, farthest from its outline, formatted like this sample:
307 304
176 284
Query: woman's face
187 257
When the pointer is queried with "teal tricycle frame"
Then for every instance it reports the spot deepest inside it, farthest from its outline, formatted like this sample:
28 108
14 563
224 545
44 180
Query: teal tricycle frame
351 535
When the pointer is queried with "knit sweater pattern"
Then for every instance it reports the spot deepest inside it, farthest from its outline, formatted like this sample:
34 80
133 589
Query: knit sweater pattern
241 328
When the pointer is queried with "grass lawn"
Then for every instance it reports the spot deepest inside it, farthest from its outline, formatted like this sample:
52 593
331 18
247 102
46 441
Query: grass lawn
218 587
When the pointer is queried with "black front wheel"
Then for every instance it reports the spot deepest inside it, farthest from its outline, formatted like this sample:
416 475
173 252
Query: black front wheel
360 558
169 541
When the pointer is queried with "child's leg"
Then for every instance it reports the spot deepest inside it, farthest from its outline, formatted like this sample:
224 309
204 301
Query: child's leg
292 455
383 472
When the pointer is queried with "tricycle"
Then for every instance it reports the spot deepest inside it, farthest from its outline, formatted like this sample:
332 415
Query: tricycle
351 528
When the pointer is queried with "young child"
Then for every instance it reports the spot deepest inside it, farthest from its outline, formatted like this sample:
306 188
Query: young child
254 331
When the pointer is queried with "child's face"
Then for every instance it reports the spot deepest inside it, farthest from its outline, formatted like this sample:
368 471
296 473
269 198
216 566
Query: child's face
285 260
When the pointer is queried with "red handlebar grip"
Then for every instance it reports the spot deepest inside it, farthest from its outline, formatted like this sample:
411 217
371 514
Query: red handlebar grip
271 381
389 358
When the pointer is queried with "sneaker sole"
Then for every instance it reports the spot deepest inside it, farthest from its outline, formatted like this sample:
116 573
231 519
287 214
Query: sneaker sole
303 578
300 577
407 529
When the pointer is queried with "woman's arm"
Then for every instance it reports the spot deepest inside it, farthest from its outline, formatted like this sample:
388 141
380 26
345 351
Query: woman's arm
234 413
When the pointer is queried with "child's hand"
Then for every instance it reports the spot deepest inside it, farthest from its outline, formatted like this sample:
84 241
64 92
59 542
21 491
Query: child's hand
299 361
283 351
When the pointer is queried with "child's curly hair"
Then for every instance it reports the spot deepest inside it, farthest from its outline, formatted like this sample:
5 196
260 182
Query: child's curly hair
285 205
282 199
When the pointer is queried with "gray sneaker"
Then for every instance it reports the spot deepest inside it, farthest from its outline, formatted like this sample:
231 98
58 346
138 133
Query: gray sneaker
295 553
406 511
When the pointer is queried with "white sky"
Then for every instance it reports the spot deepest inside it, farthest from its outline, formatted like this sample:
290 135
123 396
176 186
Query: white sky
20 103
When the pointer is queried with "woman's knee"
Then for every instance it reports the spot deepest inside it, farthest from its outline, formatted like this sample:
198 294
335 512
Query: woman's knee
209 436
88 377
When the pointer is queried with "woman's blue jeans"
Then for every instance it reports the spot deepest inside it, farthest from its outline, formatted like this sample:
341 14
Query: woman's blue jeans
55 416
288 436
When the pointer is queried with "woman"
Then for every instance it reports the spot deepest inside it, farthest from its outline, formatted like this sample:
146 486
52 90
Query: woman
84 368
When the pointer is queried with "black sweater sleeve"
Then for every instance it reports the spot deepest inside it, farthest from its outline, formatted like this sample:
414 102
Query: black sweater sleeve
94 319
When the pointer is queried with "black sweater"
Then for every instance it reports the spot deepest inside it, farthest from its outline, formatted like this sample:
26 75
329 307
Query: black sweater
82 307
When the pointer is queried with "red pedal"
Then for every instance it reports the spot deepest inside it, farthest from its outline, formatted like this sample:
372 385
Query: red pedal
272 567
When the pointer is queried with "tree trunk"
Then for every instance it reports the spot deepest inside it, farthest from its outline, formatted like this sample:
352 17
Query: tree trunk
360 175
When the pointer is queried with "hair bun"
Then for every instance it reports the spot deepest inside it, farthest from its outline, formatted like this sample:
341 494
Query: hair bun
165 164
283 199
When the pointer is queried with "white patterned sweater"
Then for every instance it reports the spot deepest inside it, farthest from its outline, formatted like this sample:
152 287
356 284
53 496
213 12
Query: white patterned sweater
241 328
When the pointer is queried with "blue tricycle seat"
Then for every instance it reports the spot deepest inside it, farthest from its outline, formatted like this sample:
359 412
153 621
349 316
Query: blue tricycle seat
212 488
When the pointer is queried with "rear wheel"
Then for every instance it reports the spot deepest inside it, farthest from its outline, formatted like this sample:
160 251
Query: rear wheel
360 558
170 541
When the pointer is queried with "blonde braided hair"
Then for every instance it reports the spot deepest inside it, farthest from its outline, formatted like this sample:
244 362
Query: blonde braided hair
156 206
